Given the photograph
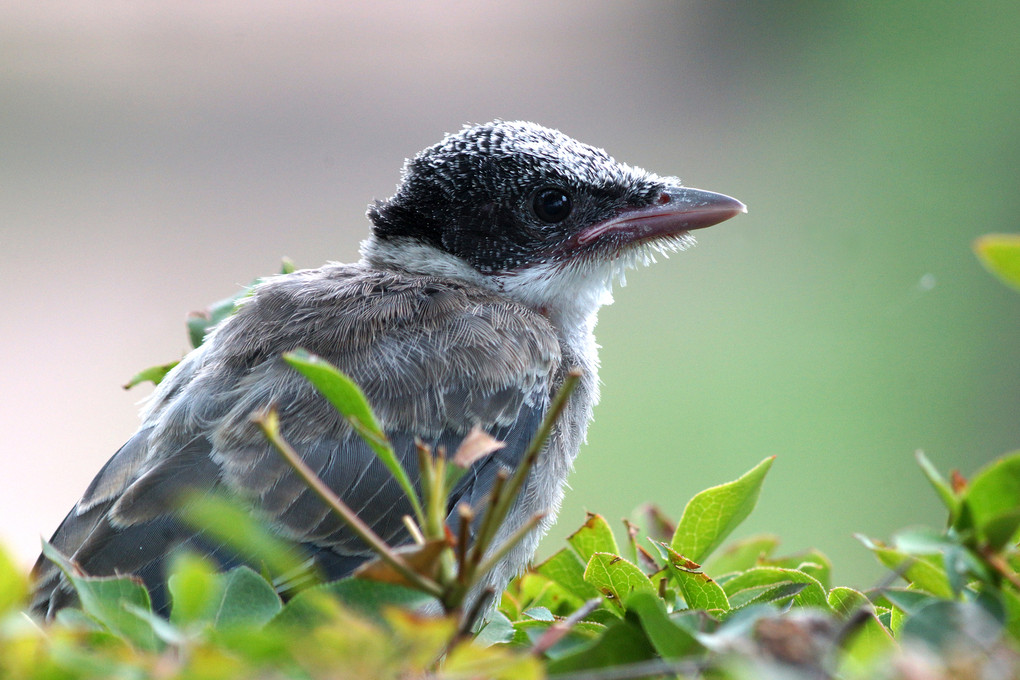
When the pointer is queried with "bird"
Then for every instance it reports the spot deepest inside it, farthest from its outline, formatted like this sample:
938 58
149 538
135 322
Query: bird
476 293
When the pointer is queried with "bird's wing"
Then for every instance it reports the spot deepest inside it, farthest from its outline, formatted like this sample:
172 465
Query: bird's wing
433 357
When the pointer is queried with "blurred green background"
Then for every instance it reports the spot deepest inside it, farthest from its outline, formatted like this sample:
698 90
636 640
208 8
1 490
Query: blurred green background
154 157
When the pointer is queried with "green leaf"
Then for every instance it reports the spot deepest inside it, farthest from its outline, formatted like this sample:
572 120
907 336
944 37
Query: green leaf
347 398
246 599
908 601
200 323
593 536
1000 254
947 625
539 591
622 643
941 486
869 644
318 604
616 579
714 513
669 640
497 630
993 499
194 589
773 594
847 601
743 554
104 599
924 571
567 570
153 374
13 584
230 522
812 595
811 562
698 590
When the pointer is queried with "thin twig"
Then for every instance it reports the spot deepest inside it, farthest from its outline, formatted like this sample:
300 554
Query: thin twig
467 624
1000 565
555 632
500 507
466 516
489 518
269 424
514 538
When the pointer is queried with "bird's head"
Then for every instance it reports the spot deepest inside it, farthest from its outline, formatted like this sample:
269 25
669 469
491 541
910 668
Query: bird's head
535 214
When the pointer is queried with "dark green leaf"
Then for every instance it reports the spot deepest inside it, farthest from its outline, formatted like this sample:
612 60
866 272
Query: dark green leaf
908 601
993 499
714 513
947 625
622 643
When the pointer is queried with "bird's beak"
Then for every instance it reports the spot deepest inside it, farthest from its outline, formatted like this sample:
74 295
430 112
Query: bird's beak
676 211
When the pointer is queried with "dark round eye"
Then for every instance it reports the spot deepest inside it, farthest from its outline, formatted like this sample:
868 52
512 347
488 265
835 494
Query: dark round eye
552 205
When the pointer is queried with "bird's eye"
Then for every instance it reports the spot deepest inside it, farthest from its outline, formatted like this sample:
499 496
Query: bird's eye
552 205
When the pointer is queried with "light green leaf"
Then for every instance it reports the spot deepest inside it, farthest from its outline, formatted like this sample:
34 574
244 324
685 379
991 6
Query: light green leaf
847 601
1000 254
13 584
924 571
232 523
194 589
318 604
864 647
813 594
714 513
537 590
941 486
347 398
566 569
743 554
153 374
104 599
593 536
698 590
616 579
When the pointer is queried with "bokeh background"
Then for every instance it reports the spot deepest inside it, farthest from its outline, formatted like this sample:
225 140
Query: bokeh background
156 156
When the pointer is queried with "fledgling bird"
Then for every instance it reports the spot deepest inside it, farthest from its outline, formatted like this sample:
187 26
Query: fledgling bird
476 292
